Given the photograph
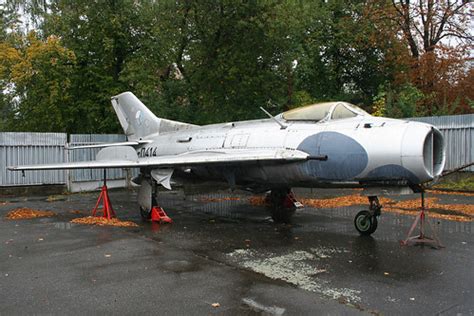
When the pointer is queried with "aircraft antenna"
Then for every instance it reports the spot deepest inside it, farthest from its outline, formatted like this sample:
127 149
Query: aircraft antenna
282 126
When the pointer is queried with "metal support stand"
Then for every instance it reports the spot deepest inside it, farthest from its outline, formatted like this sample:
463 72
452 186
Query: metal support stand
107 210
159 215
421 238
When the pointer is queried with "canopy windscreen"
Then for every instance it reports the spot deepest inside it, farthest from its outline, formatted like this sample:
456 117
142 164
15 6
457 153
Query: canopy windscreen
319 111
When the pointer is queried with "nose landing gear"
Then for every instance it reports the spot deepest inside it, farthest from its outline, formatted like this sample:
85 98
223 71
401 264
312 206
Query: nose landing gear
366 220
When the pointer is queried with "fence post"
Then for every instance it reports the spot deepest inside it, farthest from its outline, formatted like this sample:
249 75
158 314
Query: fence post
68 173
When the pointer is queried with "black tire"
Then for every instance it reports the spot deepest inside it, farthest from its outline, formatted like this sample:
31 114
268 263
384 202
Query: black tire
365 223
280 213
146 215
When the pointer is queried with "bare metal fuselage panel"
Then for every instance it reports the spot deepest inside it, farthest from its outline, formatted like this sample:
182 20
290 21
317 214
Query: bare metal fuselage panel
335 150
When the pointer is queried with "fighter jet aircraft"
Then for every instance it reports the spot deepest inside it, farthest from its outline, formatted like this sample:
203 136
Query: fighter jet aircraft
327 144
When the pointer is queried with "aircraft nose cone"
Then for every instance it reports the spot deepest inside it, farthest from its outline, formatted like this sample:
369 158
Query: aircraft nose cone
423 151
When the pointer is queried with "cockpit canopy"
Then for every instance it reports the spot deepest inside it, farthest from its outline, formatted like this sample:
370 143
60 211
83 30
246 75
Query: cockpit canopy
324 111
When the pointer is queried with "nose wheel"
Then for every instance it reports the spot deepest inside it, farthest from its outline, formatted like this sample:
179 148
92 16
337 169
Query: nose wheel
365 223
366 220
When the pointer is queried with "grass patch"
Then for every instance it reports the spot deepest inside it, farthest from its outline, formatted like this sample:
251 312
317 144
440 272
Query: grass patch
464 184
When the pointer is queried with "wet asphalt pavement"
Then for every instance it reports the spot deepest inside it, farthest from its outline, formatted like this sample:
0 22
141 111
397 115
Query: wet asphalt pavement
228 252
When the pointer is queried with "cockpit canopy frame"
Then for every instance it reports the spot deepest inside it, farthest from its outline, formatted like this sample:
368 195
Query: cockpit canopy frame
322 112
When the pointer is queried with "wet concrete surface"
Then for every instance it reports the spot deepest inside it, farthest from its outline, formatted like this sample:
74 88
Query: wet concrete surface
227 251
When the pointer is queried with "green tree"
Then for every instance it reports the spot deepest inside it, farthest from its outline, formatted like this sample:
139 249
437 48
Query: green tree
102 35
37 84
404 101
207 61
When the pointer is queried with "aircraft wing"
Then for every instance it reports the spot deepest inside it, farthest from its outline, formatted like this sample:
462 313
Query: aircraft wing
191 158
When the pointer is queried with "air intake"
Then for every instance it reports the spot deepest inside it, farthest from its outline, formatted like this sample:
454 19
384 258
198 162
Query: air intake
433 153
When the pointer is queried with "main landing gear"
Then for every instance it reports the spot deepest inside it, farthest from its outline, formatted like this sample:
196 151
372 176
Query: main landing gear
154 212
283 205
366 220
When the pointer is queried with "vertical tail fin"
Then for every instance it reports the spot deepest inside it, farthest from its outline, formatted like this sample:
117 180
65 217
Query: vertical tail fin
138 121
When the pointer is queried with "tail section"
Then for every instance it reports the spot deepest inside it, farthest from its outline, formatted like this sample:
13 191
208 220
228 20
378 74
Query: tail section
138 121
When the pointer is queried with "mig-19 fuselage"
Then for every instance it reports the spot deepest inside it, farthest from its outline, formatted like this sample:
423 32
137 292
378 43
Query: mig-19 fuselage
326 144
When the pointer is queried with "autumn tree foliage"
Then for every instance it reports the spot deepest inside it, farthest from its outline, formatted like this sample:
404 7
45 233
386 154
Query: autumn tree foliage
37 84
439 39
211 61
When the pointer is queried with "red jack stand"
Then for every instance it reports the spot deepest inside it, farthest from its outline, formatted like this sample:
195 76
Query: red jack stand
107 210
422 238
159 215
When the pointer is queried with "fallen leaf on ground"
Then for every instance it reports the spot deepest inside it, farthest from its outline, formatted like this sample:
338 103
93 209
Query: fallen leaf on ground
102 221
257 200
25 213
409 207
412 207
215 305
341 201
53 198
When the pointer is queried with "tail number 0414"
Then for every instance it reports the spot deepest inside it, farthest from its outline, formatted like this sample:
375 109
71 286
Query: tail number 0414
147 152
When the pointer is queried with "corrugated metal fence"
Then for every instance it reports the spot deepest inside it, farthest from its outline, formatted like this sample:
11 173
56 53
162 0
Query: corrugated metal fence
42 148
458 132
89 154
29 149
38 148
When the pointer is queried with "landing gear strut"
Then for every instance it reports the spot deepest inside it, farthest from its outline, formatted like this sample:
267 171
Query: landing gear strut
366 220
156 213
145 213
283 205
